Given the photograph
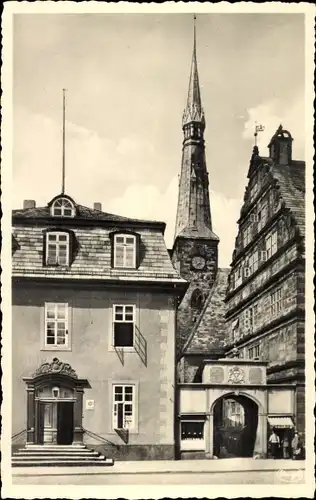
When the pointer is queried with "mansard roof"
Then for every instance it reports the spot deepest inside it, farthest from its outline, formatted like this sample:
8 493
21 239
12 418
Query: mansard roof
82 213
209 331
92 248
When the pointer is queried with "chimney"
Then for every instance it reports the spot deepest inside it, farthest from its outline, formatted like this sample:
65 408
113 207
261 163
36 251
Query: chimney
29 204
97 206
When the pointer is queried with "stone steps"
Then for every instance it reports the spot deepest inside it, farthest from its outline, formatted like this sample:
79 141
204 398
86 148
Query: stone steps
51 455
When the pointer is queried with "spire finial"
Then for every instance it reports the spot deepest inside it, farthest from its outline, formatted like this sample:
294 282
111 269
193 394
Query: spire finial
194 34
193 111
64 143
258 128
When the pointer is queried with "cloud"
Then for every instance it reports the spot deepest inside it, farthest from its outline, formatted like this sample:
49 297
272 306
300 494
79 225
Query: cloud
147 202
271 114
95 165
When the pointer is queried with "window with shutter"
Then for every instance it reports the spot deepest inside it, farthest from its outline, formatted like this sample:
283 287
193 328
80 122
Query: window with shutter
123 325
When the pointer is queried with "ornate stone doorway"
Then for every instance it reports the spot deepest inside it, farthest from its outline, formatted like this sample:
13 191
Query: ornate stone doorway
235 425
54 404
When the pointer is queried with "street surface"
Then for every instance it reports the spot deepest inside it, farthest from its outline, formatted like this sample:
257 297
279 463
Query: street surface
250 477
225 471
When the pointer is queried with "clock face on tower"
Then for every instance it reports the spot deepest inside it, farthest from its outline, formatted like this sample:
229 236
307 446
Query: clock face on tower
198 262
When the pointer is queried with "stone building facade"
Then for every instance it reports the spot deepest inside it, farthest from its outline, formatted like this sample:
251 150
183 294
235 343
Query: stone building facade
265 297
251 315
94 300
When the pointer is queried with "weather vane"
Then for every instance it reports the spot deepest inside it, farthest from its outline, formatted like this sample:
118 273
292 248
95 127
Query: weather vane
258 128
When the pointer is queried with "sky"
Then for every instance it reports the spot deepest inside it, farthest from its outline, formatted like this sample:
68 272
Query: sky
127 78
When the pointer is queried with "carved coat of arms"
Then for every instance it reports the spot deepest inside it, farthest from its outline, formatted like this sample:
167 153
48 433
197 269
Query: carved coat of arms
236 375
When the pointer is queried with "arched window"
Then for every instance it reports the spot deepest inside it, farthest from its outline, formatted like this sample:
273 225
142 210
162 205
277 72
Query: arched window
197 299
62 207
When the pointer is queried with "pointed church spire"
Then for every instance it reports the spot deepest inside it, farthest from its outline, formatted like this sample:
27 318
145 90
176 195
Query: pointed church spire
194 212
193 111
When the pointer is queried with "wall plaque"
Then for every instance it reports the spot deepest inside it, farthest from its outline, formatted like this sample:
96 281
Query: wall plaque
90 404
255 375
216 375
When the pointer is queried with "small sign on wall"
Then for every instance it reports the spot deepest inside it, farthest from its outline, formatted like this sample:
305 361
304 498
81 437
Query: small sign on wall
90 404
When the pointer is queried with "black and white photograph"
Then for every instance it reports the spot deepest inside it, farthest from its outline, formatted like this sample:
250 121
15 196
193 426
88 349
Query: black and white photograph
157 173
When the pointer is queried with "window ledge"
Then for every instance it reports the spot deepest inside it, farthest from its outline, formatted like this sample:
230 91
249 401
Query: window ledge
125 349
53 349
130 432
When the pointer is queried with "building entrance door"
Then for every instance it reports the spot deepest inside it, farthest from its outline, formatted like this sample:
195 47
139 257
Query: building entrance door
65 422
55 404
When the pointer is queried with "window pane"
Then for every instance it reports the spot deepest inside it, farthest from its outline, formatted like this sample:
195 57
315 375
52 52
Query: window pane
57 211
50 310
123 334
61 311
50 326
63 237
52 249
67 211
129 309
130 240
50 340
52 237
128 409
119 239
60 340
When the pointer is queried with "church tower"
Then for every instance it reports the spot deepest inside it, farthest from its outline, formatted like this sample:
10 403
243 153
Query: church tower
195 248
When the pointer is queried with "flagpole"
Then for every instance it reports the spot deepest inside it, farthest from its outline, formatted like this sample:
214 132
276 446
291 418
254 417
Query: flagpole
64 143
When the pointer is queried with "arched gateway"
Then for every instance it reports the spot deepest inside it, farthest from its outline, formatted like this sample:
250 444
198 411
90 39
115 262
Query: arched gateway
209 423
235 426
54 404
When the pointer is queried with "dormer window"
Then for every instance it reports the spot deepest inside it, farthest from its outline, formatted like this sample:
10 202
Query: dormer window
57 248
125 250
62 207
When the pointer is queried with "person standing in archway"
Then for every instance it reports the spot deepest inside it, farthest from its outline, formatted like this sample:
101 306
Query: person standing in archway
286 446
274 442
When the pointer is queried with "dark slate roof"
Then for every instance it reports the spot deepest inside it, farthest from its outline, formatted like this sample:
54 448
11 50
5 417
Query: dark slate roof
291 179
209 331
92 258
199 232
82 212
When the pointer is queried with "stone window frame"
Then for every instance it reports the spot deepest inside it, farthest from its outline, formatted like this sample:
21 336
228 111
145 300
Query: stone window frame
262 214
271 243
254 351
56 347
276 301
